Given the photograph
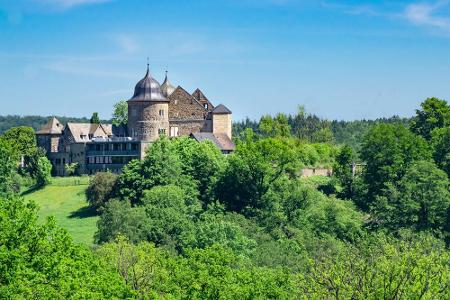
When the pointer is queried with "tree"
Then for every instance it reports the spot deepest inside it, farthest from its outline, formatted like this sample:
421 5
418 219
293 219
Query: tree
8 167
274 127
118 218
335 217
95 119
43 172
100 189
342 170
379 267
22 138
202 162
252 169
167 214
388 150
39 260
120 113
213 228
441 144
421 199
435 113
161 166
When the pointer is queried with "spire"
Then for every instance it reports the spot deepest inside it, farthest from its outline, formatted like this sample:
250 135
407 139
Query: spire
148 66
167 88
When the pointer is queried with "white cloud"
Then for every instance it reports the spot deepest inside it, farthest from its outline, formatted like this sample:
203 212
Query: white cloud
425 14
65 4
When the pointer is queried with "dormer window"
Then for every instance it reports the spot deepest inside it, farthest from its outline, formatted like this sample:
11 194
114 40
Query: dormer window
91 136
82 136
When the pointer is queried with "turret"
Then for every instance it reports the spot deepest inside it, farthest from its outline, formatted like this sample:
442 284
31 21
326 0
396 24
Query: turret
221 120
148 111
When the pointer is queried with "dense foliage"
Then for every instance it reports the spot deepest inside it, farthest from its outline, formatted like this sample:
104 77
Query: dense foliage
40 260
187 222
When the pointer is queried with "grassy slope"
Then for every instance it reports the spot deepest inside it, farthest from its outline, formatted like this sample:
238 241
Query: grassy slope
65 200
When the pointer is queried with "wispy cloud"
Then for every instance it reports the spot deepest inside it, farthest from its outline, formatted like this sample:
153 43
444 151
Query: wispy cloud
66 4
127 43
426 14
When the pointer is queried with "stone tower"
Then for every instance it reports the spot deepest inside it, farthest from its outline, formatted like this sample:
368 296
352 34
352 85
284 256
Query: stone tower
221 120
148 111
49 135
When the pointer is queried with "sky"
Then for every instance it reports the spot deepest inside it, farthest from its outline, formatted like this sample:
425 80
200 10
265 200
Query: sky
342 60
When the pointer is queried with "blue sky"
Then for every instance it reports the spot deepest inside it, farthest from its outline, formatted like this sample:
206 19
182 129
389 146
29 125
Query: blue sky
341 59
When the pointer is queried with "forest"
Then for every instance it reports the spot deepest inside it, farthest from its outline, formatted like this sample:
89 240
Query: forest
188 222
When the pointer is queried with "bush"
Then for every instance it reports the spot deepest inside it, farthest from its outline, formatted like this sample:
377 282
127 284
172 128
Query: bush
100 189
43 172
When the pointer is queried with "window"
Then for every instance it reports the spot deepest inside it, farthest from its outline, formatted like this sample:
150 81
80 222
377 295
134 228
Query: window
175 102
205 105
134 112
161 112
91 136
173 131
161 131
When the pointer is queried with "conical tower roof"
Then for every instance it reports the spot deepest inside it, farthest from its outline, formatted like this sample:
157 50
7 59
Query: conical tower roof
167 88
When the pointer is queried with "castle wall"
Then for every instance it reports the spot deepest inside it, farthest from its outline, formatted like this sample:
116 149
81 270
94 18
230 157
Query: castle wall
183 106
50 142
187 127
145 120
78 155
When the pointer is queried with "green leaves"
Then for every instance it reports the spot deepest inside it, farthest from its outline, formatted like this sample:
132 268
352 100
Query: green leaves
42 261
388 150
435 113
420 200
120 113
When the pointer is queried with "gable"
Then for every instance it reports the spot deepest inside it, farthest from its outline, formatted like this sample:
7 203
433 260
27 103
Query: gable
183 106
204 101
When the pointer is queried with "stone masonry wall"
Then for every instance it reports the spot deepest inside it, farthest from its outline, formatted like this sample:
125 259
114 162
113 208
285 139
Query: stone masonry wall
222 124
183 106
144 120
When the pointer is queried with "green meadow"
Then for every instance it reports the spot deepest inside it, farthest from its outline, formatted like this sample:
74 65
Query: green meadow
65 199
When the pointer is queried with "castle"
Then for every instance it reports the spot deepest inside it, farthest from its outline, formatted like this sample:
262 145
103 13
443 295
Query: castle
153 111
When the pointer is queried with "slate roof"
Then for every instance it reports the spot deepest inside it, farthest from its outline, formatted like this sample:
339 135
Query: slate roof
82 131
167 88
221 140
53 126
221 109
148 89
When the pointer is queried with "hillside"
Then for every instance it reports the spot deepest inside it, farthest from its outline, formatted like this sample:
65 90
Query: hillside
64 199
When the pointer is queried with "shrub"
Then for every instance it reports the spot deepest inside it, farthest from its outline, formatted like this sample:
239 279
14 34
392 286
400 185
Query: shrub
100 188
43 172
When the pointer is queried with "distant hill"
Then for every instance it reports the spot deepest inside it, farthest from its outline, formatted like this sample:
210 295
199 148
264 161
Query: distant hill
36 122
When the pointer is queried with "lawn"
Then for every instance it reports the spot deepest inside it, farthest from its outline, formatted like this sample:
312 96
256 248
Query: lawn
64 199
